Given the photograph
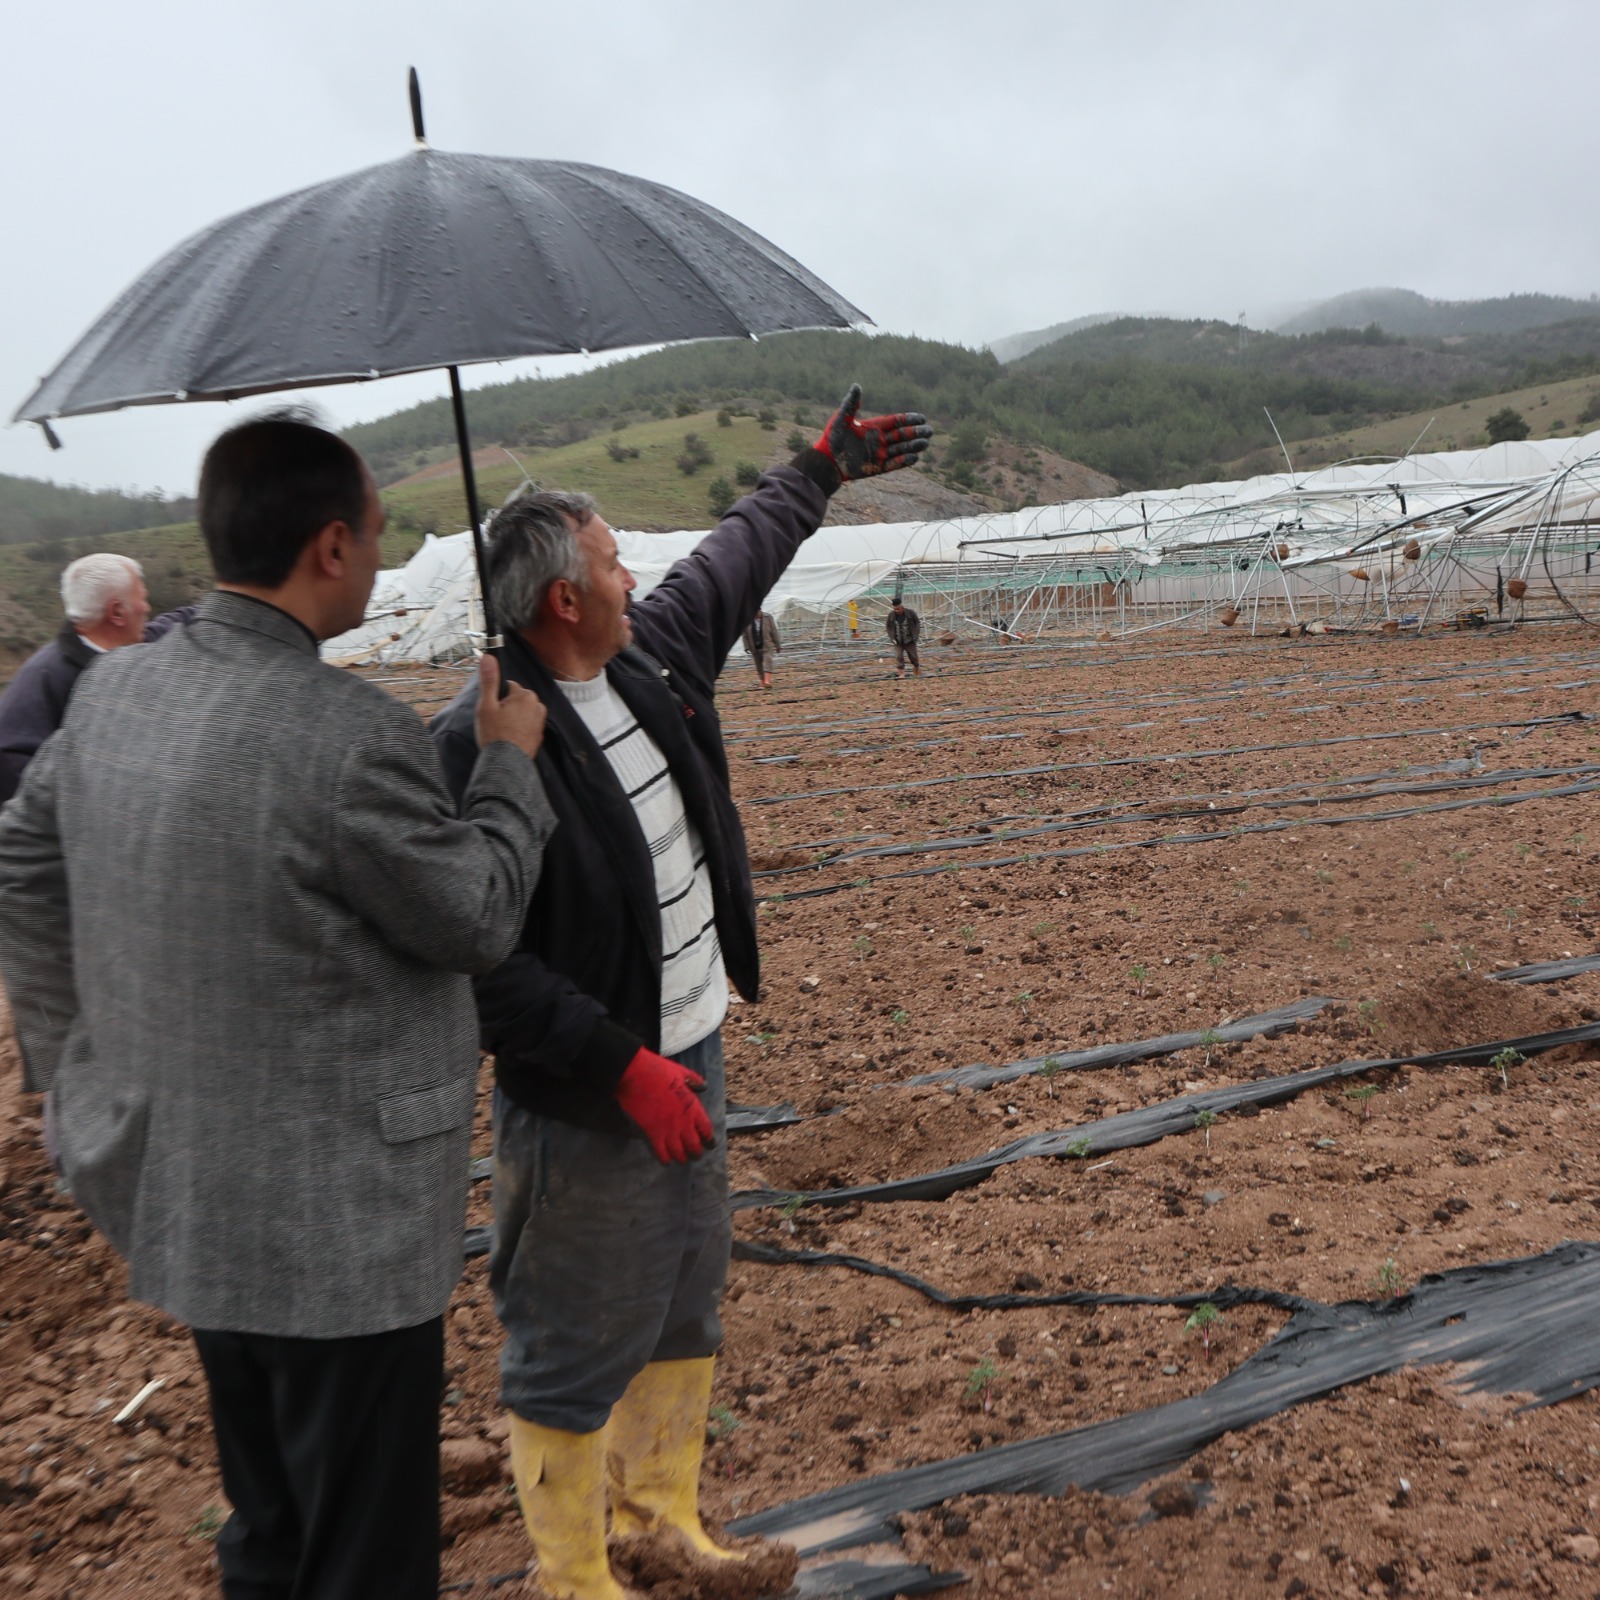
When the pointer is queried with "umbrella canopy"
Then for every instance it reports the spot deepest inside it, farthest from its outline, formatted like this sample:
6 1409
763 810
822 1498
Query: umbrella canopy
434 260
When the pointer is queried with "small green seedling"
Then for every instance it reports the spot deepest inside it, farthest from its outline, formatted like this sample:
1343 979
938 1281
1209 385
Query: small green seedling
1047 1069
1465 956
861 883
1025 999
1510 913
1430 931
1139 972
1362 1094
1503 1062
1575 902
1324 877
1209 1040
721 1423
968 932
1390 1281
1524 849
1040 929
209 1523
1368 1012
899 1018
1079 1149
1202 1320
863 947
1214 961
760 1040
1343 944
1205 1120
981 1381
1242 886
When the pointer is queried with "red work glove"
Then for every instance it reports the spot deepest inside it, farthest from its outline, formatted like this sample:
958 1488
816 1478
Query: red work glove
862 447
659 1096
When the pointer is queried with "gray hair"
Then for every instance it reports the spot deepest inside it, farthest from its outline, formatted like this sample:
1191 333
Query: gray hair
91 583
532 542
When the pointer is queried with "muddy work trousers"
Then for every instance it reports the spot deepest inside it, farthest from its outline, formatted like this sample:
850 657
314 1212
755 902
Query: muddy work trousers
904 653
604 1260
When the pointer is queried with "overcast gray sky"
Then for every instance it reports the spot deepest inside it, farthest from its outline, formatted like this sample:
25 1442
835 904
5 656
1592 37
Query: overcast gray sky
961 170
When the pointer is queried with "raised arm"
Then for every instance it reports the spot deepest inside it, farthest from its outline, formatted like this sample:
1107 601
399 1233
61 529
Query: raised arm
692 617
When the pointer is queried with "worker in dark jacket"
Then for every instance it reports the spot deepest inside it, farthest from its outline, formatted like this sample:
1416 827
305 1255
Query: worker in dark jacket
761 642
904 628
107 607
612 1232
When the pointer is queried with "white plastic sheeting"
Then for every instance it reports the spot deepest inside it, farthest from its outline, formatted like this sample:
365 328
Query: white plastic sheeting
428 610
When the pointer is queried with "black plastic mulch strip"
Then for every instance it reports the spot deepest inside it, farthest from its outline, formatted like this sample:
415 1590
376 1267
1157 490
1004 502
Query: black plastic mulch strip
1520 797
1513 1327
1224 1299
1129 1129
752 1119
1549 971
862 1580
1176 755
1266 1024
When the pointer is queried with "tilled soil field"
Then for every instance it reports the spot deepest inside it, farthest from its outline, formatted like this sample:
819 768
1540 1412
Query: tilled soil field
1030 852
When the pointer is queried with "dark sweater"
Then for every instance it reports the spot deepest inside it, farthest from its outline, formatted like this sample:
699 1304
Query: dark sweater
36 699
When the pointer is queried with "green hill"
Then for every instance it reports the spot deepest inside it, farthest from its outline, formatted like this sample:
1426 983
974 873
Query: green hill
32 509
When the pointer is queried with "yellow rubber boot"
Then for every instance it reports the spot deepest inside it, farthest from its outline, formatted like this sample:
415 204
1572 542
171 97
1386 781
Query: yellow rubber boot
654 1442
561 1489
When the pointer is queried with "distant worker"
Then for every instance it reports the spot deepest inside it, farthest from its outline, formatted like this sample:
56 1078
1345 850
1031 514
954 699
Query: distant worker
612 1227
904 627
107 607
761 640
854 615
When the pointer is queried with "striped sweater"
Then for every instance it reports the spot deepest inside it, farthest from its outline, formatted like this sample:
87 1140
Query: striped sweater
694 988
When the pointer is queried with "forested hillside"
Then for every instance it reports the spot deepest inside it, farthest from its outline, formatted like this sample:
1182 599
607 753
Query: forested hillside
32 509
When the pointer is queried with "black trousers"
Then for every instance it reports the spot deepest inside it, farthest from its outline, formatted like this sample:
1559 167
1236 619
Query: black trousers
330 1457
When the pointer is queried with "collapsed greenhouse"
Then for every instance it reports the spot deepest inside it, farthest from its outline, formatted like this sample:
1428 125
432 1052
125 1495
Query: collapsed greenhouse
1461 537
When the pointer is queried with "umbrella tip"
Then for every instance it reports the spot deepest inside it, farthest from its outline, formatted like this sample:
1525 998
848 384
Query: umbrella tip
416 110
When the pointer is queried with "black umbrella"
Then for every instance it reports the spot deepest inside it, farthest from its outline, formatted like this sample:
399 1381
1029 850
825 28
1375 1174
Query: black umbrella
434 260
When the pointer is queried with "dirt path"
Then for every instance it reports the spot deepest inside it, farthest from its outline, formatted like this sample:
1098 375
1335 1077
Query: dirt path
829 1375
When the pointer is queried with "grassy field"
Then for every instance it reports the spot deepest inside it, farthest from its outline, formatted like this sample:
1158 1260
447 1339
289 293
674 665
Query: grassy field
1550 409
646 491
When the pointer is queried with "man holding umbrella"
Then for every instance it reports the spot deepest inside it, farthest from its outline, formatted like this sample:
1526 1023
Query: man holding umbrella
612 1231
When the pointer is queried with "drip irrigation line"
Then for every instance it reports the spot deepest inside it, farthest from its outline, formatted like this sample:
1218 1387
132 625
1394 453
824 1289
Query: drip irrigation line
1224 1299
1265 1024
1103 706
1562 792
1569 717
1510 1327
1244 800
1129 1130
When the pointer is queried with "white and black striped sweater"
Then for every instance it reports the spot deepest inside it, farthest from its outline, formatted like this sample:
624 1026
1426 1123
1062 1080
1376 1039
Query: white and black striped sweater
694 987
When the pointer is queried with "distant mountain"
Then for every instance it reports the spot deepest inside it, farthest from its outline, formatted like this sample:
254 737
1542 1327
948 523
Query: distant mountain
1403 311
1014 346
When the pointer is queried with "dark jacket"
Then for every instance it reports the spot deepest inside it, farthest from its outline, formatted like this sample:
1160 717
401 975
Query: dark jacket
36 699
566 1013
904 627
761 637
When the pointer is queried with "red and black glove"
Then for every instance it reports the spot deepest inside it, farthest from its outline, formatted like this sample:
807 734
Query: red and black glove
863 447
659 1096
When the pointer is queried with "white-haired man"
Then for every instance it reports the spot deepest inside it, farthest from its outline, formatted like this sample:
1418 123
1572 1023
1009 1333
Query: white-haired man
107 607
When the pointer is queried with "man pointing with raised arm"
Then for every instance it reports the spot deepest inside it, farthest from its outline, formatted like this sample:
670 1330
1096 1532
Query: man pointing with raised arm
612 1231
237 904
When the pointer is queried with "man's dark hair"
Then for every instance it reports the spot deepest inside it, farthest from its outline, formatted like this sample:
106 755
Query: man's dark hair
266 487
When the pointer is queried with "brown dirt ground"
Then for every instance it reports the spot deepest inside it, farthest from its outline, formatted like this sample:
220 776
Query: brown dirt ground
828 1375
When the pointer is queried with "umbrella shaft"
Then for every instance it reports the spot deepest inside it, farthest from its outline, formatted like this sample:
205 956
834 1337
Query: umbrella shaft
474 521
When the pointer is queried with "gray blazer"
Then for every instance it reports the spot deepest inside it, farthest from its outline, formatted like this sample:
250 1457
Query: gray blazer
236 909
